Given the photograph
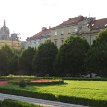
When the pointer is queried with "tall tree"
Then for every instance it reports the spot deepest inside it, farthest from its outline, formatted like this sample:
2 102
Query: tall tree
101 38
70 58
6 60
96 60
43 61
25 60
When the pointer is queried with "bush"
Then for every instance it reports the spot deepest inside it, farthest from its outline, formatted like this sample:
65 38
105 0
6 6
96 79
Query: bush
22 84
26 93
82 101
0 103
16 103
62 98
54 82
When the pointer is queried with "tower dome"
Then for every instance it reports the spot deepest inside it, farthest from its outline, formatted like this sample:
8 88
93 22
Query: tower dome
4 32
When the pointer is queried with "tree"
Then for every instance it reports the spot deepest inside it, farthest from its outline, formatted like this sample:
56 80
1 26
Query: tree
70 58
101 38
7 61
96 61
43 61
25 60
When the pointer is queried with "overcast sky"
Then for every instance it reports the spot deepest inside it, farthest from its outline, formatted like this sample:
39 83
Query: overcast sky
27 17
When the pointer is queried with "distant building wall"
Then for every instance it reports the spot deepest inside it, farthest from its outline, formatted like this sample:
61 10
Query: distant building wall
12 44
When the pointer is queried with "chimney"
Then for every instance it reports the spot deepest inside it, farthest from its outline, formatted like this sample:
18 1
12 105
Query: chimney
44 28
49 27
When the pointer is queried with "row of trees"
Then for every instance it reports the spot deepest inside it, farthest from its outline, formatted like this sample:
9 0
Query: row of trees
74 58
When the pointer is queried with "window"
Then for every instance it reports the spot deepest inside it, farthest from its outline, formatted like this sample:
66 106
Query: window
55 40
62 32
55 33
62 41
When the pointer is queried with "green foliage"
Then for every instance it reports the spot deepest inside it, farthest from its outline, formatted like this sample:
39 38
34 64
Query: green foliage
54 82
93 93
96 60
22 84
25 61
101 38
28 93
16 103
0 103
8 61
82 101
70 58
43 60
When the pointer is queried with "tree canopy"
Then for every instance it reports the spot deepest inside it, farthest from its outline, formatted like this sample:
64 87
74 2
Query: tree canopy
43 60
71 55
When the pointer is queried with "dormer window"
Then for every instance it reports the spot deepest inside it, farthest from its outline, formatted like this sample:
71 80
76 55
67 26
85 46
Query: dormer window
105 25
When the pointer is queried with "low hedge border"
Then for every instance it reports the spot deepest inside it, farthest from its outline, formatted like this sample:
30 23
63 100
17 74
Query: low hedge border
54 78
84 79
28 94
66 99
15 103
57 82
83 101
46 83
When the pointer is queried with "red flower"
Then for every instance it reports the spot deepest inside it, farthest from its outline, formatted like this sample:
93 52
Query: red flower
3 82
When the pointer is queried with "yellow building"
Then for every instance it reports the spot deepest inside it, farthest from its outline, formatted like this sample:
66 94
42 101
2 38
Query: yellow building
10 43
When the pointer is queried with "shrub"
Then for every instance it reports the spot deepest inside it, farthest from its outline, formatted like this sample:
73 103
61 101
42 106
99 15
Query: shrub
0 103
82 101
26 93
22 84
16 103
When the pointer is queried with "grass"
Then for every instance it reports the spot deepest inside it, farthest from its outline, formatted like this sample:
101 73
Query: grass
86 89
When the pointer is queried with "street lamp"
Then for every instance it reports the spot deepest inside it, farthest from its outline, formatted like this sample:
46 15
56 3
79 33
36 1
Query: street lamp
18 38
90 25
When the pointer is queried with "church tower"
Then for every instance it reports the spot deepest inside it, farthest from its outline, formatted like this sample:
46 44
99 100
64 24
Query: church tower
4 32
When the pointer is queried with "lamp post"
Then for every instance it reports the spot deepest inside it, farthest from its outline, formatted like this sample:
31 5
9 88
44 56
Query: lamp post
90 25
18 38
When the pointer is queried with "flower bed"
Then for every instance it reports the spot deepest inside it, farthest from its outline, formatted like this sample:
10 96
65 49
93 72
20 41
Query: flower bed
42 80
45 82
3 82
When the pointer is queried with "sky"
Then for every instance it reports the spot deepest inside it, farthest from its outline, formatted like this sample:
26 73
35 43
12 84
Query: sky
27 17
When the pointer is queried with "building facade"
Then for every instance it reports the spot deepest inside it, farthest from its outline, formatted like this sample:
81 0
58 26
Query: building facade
38 38
7 39
85 27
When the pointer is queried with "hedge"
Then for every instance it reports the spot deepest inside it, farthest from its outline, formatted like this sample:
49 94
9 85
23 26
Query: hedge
15 103
84 79
60 78
26 93
82 101
66 99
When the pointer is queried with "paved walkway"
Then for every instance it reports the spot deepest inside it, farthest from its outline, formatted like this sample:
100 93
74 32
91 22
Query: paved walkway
44 103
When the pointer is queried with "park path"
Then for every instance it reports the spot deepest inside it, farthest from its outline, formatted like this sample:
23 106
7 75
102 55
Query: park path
44 103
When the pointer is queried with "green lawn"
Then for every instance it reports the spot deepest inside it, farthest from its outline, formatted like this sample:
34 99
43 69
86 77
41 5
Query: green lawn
85 89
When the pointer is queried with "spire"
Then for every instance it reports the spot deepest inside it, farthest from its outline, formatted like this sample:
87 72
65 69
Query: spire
4 23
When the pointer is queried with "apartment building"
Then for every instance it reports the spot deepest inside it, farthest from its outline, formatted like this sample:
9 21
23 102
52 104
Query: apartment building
85 27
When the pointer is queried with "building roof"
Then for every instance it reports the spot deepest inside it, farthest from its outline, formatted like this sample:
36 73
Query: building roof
44 33
99 24
72 21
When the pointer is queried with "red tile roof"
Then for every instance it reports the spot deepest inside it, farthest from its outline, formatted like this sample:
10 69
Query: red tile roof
99 24
72 21
42 33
